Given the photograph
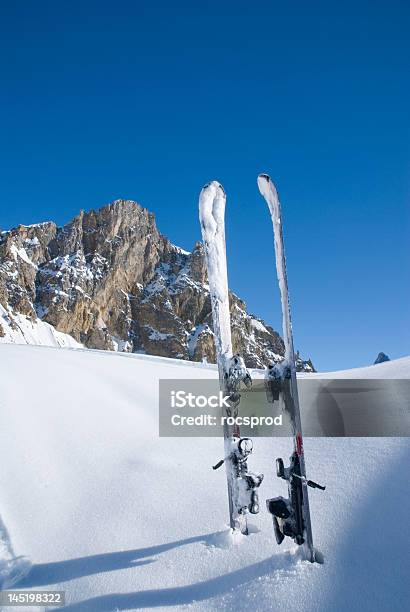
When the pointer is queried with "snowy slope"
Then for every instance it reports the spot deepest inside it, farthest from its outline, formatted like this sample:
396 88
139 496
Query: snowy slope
123 520
19 329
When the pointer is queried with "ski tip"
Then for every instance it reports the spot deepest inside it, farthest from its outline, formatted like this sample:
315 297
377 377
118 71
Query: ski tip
213 187
266 185
263 179
212 201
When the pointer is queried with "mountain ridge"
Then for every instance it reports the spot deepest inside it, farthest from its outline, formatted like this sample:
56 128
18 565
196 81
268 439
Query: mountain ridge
110 280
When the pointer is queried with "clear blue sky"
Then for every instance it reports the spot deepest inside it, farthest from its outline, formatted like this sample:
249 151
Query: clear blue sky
143 100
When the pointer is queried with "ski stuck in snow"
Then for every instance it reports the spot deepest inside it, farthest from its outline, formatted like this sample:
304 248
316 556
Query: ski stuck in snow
291 517
242 485
13 570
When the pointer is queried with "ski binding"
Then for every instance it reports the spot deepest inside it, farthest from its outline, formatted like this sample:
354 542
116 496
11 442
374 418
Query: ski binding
287 514
248 482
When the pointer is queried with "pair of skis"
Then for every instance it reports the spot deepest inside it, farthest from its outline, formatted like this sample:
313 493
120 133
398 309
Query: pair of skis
291 517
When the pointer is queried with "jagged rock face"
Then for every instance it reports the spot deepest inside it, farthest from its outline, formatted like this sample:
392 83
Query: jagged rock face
112 281
22 251
98 262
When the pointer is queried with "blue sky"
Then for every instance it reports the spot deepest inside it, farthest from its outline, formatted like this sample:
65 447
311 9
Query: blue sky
149 101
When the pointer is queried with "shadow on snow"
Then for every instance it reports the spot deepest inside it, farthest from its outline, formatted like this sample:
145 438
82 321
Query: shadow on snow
53 573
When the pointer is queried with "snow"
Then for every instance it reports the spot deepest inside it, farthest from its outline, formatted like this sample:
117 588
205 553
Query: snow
76 267
268 191
121 519
19 329
22 254
41 224
179 250
121 345
156 335
258 325
165 280
212 202
32 241
193 338
160 281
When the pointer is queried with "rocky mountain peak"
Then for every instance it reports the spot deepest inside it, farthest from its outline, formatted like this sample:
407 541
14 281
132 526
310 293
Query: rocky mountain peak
109 279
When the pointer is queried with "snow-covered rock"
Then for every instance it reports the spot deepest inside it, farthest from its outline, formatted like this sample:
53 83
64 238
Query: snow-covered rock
18 328
110 280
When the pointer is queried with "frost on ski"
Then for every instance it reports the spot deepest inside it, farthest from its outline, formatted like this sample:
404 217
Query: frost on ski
268 190
212 202
300 506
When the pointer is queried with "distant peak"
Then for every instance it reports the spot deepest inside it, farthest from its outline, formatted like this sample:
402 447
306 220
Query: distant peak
381 358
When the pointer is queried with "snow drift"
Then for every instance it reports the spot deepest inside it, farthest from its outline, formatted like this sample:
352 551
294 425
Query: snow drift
20 329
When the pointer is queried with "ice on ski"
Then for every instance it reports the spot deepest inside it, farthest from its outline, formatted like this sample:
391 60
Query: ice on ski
212 205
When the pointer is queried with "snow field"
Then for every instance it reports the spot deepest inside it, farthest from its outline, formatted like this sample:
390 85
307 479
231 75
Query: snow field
122 519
